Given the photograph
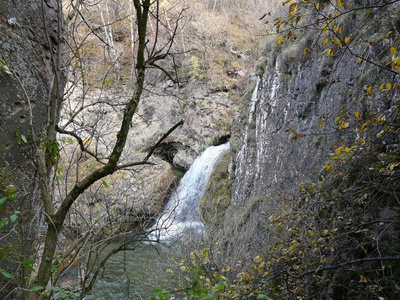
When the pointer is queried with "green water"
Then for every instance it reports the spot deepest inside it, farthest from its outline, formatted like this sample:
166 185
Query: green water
135 274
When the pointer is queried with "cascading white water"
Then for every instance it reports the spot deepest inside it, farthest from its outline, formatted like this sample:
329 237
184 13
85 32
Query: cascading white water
181 212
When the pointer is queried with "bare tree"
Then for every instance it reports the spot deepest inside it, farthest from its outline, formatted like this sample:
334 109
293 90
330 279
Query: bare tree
147 55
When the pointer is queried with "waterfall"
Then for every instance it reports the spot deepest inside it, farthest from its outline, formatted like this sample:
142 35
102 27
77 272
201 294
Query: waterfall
181 211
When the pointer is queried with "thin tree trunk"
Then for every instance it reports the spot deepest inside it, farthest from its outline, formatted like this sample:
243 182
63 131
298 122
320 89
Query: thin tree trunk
56 221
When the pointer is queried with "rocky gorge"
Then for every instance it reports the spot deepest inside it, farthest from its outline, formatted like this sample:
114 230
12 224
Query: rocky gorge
303 205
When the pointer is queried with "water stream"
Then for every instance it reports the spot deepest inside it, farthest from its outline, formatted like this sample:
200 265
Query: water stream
135 275
180 214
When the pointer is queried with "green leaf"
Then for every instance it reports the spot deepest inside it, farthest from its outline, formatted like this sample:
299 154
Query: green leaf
5 274
3 222
53 288
208 297
2 201
27 263
4 67
105 184
264 297
37 288
13 217
24 139
11 196
17 137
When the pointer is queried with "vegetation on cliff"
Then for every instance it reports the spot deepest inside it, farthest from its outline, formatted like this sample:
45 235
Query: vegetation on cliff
330 228
306 204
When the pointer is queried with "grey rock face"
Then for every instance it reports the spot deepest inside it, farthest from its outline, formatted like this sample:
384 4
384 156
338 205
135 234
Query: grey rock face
207 115
278 141
24 98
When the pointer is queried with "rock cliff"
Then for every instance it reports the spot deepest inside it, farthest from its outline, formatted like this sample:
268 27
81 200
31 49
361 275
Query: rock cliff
304 108
24 100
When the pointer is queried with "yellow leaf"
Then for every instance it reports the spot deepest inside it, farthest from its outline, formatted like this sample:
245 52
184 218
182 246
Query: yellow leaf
379 134
324 232
317 6
305 51
381 87
369 90
388 86
257 259
325 42
292 9
328 167
319 119
360 60
339 3
338 150
310 232
347 40
280 39
356 114
321 125
347 149
392 51
397 68
330 52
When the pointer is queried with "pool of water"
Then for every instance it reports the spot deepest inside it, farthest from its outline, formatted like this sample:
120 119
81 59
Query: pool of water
135 274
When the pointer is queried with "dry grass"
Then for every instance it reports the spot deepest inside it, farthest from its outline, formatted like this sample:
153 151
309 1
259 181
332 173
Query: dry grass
220 39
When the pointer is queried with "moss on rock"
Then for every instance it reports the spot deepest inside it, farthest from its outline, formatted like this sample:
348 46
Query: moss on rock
217 195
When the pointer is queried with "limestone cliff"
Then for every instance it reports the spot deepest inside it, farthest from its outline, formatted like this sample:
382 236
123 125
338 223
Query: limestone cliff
307 108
